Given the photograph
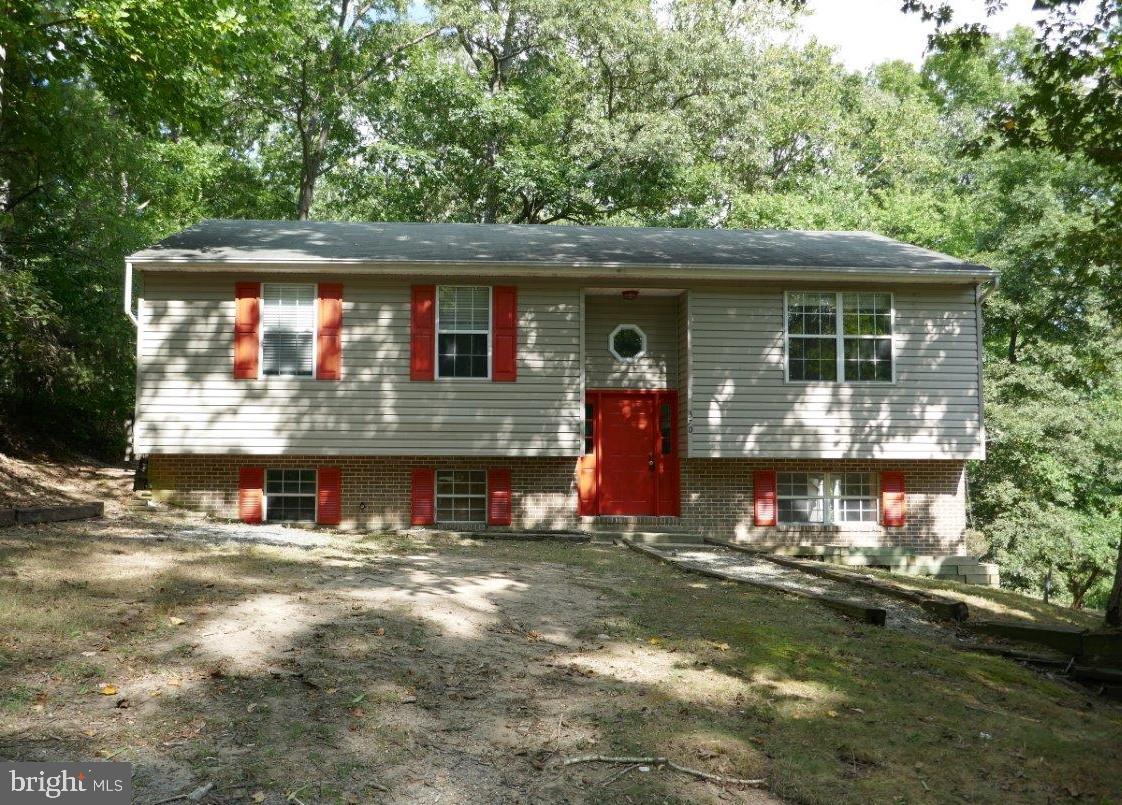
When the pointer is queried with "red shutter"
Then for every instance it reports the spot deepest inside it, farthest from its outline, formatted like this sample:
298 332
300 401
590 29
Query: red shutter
763 484
586 485
504 333
893 501
247 325
251 486
329 332
423 332
329 496
424 496
498 497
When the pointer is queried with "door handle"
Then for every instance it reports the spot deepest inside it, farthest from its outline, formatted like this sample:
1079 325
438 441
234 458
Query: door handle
650 461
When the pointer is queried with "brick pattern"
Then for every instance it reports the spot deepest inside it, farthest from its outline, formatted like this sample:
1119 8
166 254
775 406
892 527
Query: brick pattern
717 494
717 497
376 489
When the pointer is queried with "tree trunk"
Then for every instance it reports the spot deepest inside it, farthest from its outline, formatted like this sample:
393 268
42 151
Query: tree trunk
1114 603
5 187
311 167
307 192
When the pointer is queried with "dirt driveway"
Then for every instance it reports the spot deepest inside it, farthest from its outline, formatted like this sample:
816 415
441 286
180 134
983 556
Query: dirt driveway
403 669
345 673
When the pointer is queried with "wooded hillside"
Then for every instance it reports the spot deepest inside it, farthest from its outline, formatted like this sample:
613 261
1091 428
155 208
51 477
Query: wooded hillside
124 120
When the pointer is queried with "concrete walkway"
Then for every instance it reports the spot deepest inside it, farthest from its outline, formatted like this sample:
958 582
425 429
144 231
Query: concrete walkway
902 616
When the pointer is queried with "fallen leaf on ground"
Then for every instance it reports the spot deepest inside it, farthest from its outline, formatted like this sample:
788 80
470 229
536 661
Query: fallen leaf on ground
176 621
106 689
258 796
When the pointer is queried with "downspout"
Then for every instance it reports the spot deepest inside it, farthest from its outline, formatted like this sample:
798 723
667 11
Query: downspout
128 295
990 288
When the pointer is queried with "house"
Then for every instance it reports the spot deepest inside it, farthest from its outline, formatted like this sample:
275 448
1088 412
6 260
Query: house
774 387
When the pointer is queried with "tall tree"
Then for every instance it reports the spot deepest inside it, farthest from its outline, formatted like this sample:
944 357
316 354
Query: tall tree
1071 105
325 65
543 111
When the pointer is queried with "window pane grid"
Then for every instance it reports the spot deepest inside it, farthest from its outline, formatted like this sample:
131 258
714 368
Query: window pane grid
463 330
461 496
816 498
846 333
288 323
290 495
801 497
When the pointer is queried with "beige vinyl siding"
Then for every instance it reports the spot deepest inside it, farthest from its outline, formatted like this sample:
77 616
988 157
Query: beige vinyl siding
740 404
657 317
188 401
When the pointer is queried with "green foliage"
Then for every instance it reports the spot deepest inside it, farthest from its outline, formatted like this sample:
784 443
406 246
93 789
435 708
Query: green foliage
122 120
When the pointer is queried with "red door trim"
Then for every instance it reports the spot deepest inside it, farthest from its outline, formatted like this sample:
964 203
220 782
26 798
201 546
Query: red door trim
667 472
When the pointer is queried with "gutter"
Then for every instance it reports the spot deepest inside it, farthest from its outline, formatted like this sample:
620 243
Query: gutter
676 271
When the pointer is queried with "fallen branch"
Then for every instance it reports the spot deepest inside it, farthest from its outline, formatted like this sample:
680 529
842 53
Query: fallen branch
662 761
617 775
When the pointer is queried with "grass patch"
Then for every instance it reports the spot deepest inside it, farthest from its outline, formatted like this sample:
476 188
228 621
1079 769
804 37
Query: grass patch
994 602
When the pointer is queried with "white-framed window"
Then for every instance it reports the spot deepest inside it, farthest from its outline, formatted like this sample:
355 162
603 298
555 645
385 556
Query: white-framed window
461 496
839 336
854 497
826 498
290 495
627 343
288 330
463 331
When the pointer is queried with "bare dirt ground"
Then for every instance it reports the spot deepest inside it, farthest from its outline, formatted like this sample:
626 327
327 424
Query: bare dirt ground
339 675
31 482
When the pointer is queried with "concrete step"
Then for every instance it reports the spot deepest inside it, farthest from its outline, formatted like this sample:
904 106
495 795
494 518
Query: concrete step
143 501
662 538
644 523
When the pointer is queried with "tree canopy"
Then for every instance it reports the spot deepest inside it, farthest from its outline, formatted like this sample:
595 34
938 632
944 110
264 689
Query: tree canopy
124 120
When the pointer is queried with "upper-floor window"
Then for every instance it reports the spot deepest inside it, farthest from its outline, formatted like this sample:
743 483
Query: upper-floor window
839 336
463 327
823 498
288 329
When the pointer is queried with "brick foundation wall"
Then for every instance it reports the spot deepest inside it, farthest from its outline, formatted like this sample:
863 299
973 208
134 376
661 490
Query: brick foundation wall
717 495
376 489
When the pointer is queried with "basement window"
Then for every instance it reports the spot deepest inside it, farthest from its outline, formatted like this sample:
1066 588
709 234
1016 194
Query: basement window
290 495
827 498
461 496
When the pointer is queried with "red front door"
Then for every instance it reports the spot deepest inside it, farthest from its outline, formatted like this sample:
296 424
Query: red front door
633 469
627 449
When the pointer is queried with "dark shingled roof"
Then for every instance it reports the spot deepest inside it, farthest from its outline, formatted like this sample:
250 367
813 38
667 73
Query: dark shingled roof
219 241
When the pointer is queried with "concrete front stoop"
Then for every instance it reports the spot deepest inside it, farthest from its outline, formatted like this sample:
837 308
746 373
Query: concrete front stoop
643 530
